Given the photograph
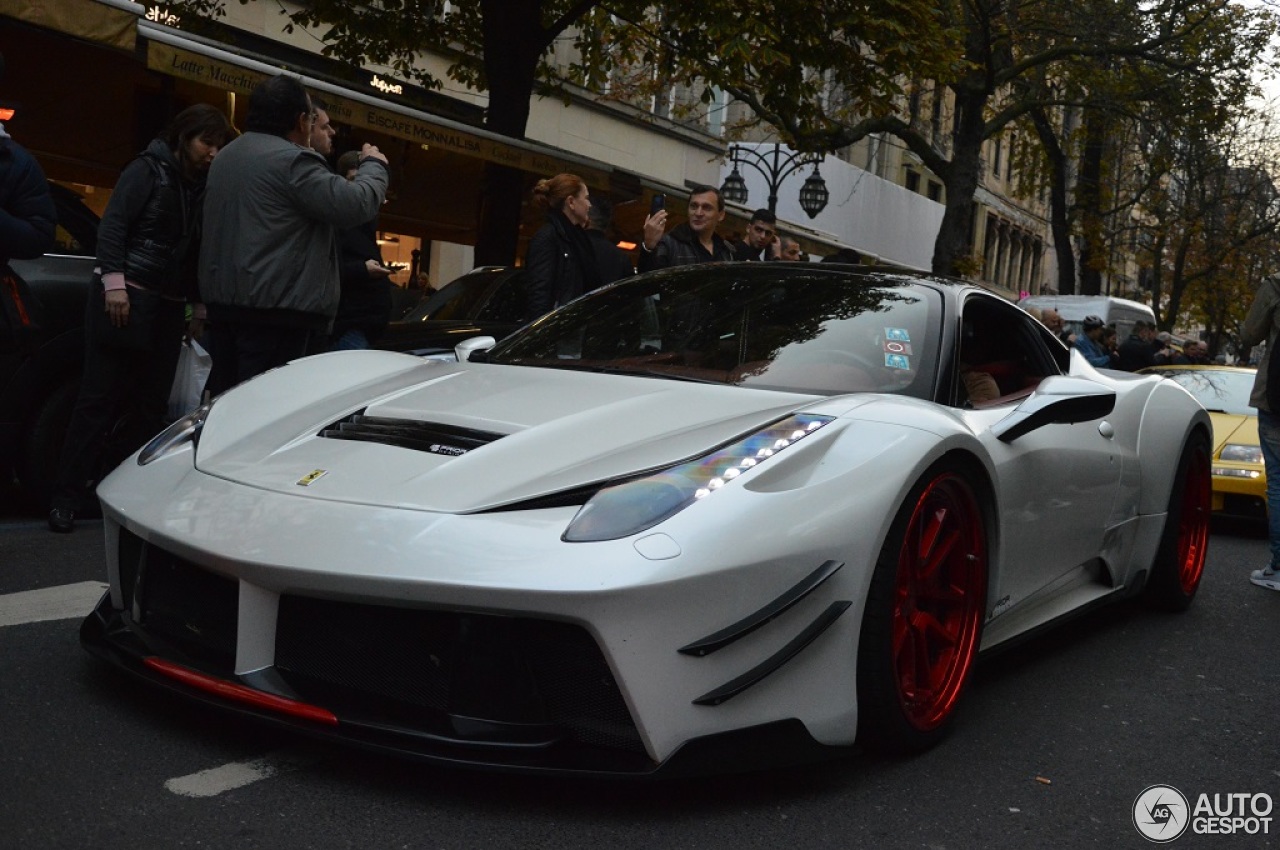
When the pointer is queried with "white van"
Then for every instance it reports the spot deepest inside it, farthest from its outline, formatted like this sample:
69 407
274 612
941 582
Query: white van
1121 313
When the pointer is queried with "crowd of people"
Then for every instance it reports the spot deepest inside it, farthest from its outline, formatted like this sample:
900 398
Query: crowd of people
1099 343
256 245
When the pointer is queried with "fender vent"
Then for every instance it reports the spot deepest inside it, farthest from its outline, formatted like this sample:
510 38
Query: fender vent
431 437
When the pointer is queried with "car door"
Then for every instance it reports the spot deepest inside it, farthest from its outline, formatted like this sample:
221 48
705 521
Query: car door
1056 484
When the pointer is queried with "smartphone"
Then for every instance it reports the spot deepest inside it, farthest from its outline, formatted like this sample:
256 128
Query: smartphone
658 202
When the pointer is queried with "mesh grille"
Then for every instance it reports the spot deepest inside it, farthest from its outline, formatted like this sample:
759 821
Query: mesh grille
418 436
421 666
193 610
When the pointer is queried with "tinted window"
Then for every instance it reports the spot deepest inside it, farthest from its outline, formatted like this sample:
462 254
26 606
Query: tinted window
822 331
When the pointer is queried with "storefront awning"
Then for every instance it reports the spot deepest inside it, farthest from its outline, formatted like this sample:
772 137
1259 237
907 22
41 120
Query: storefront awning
187 59
114 24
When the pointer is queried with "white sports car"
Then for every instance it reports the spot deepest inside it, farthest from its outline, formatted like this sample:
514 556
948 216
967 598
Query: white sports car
705 518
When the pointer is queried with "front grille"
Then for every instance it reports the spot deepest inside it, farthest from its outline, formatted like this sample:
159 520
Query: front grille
532 680
430 437
191 609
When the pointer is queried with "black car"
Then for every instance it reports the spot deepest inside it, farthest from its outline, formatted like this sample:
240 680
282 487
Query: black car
487 301
40 371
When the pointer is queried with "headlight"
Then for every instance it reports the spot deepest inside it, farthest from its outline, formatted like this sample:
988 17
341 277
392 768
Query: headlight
187 429
1233 472
632 507
1241 453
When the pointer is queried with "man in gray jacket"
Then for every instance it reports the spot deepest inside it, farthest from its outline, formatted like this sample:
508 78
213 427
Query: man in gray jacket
1263 325
269 254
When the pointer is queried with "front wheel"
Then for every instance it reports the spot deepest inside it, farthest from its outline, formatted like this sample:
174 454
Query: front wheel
1179 562
923 620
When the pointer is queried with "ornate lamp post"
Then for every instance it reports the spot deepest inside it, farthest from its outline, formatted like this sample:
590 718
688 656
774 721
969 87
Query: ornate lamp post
775 167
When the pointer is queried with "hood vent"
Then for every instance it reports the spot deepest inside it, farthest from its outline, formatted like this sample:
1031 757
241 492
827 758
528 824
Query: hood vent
431 437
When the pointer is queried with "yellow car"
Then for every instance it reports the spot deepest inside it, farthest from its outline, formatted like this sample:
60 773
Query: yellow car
1239 480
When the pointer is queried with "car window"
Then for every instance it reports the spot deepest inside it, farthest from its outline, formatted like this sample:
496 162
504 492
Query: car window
77 231
506 304
1218 390
459 299
799 331
1002 354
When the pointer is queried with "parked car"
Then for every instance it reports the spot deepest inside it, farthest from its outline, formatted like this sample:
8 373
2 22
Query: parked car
487 301
40 377
700 519
1239 476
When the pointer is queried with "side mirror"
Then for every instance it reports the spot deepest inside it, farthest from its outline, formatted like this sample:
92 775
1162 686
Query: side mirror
1059 400
467 347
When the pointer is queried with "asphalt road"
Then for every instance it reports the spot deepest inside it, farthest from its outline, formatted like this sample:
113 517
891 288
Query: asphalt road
1056 741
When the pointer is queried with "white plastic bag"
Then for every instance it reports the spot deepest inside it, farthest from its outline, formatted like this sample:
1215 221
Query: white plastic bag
194 364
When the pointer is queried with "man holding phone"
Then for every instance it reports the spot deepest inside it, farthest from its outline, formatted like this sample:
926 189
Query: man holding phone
694 241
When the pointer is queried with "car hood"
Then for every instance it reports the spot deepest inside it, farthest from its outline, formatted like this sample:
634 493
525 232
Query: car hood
552 430
1238 428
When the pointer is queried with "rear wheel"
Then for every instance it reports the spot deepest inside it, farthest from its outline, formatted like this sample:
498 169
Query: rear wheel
1179 562
923 620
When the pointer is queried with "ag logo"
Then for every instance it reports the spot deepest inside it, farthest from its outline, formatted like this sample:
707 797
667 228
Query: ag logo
1161 813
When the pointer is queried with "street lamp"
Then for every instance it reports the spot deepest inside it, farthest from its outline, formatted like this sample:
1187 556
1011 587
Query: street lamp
775 167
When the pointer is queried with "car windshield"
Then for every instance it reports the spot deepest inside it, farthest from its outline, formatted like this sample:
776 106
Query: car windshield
458 299
760 325
1218 390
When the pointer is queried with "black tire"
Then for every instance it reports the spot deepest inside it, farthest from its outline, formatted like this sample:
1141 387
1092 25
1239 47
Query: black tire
1179 562
923 622
37 465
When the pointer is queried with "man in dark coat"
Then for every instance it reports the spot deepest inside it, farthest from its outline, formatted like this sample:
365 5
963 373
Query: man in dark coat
761 241
364 306
695 241
1139 350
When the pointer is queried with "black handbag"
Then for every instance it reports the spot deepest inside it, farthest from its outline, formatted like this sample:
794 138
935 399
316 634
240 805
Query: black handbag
138 333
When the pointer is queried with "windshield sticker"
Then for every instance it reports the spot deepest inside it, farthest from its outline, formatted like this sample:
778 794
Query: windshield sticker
897 334
897 361
891 347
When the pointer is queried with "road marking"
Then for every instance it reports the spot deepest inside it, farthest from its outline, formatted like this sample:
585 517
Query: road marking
65 602
237 774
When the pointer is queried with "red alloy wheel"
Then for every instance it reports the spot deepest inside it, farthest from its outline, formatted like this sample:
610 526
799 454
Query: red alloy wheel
939 598
1193 526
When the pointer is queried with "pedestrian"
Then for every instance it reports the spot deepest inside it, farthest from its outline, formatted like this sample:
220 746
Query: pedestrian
136 313
1138 351
1089 343
560 261
613 262
694 241
28 220
1262 324
364 307
269 259
322 131
790 249
761 240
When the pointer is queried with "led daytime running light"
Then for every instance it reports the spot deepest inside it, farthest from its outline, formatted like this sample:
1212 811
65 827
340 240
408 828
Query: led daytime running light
634 506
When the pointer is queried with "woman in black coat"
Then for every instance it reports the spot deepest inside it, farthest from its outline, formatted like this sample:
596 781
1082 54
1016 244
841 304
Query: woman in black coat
136 313
561 262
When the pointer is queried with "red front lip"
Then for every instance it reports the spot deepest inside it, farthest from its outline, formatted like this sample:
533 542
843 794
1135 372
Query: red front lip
240 693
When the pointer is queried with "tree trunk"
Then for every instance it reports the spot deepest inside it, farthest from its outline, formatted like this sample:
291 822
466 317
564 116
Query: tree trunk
961 178
1089 196
514 39
1059 222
